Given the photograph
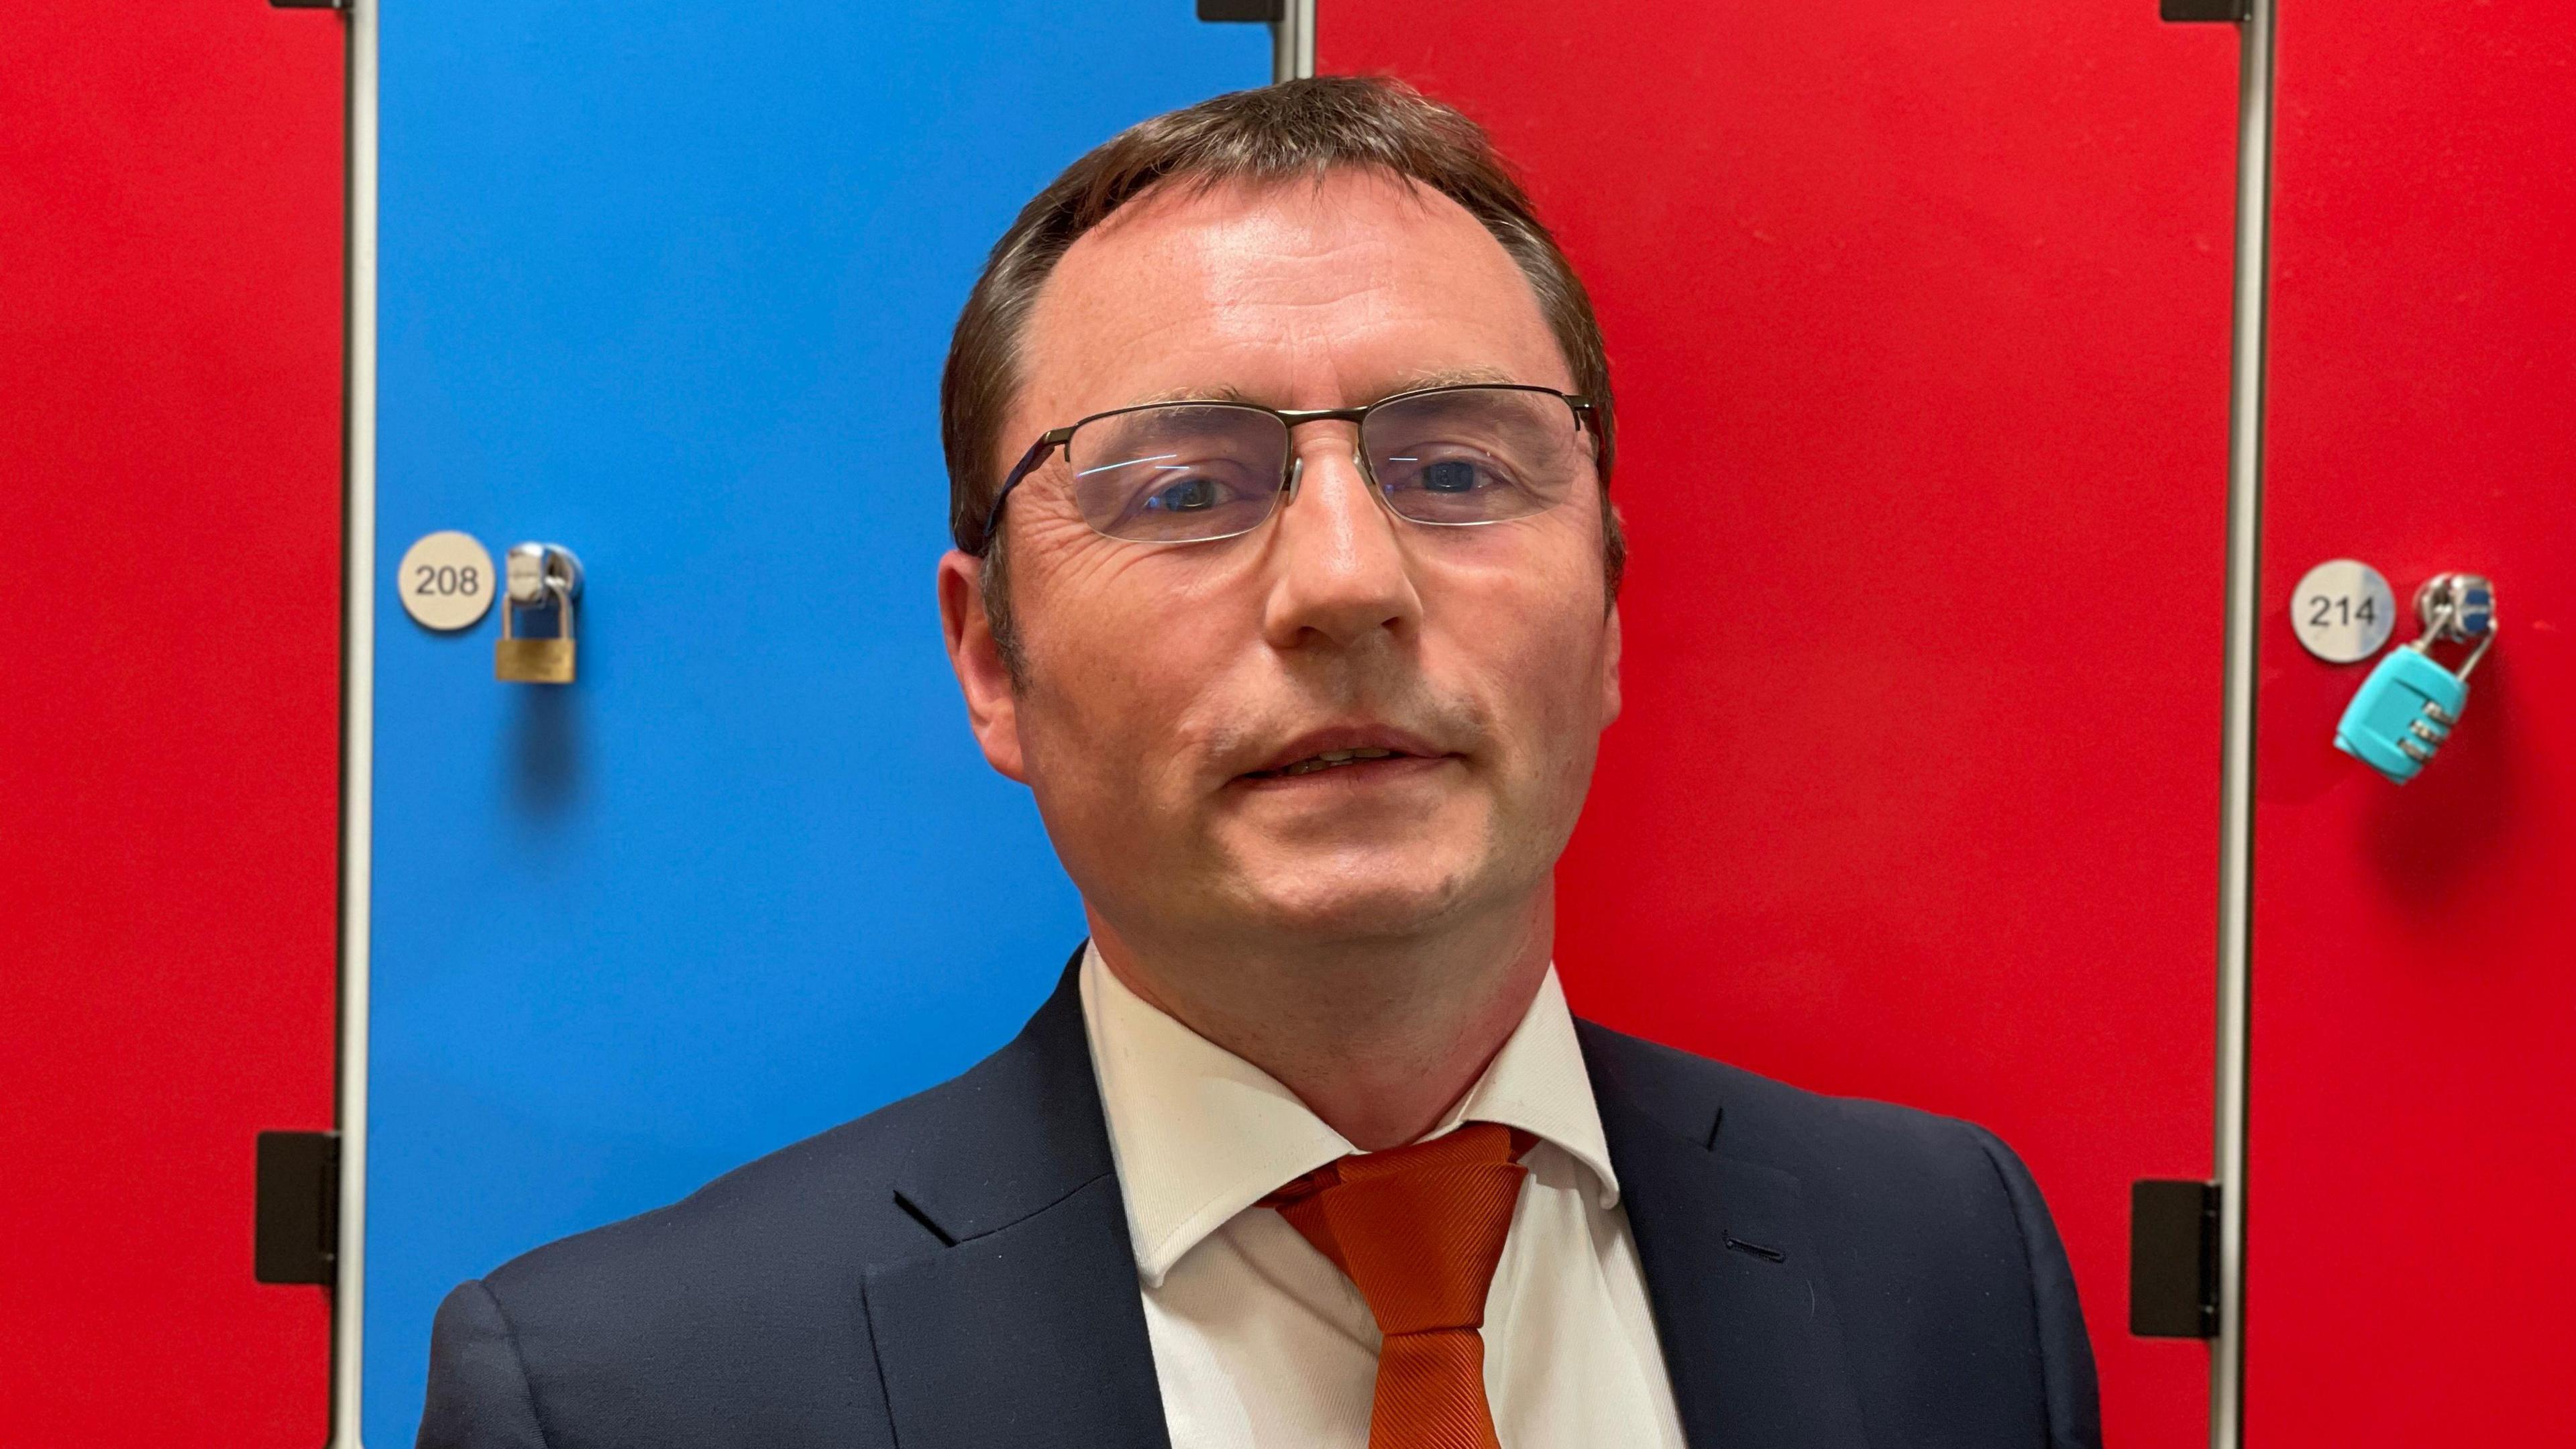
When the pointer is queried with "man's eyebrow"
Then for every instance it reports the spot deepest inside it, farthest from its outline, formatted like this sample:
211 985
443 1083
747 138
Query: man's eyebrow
1223 392
1408 382
1449 377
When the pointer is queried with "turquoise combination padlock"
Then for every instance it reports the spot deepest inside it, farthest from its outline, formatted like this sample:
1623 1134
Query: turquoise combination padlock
2408 705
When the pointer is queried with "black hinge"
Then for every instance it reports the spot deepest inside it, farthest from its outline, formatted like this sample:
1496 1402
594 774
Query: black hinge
2190 10
298 1213
308 4
1265 11
2173 1259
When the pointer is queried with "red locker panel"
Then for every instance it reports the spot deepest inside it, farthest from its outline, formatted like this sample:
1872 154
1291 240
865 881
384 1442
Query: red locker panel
2410 1272
1918 311
170 227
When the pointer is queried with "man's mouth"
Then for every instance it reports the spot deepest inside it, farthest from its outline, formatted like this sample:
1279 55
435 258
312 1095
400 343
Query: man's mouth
1368 749
1329 759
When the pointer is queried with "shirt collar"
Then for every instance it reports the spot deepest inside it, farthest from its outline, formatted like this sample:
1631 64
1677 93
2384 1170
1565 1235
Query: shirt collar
1199 1134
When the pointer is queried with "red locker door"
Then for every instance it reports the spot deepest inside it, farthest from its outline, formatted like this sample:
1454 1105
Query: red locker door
2412 1169
1918 312
170 183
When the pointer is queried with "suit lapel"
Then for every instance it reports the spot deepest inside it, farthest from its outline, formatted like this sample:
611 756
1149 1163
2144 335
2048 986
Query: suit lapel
1026 1328
1748 1329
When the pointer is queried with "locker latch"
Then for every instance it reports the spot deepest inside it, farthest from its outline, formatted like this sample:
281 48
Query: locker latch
2173 1259
2234 11
296 1237
1269 12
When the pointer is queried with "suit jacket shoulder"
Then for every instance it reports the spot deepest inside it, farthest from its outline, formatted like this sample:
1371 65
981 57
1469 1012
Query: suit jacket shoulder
1923 1238
736 1315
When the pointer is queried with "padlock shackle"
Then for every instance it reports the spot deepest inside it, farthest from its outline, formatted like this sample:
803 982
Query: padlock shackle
2441 603
562 597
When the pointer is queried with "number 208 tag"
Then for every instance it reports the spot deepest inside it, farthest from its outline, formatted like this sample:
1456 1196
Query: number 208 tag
2343 611
446 581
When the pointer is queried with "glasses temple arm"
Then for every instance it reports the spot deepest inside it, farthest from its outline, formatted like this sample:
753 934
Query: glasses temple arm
1028 464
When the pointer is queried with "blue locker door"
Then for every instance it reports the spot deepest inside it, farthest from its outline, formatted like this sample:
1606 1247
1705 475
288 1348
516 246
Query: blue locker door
669 282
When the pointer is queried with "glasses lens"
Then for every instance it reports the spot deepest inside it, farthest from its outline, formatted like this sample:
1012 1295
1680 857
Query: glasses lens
1475 454
1179 473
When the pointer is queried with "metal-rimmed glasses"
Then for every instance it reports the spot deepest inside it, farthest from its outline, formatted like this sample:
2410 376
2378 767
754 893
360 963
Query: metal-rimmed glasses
1195 472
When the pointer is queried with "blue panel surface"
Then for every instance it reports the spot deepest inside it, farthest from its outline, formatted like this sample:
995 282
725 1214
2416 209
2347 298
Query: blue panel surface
670 283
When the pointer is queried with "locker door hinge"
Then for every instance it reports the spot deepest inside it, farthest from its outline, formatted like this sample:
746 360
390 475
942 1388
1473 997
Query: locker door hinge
2173 1259
297 1216
1268 12
2190 10
340 4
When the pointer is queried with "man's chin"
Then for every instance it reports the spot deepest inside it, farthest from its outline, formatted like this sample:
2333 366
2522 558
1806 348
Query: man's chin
1339 901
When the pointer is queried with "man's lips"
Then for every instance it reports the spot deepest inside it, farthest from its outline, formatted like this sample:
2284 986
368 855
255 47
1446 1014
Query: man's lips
1319 751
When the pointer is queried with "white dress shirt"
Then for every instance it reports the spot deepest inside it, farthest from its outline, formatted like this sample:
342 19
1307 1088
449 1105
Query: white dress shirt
1261 1343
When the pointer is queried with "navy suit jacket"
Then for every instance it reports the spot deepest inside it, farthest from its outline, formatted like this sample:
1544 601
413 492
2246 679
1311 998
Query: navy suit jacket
953 1272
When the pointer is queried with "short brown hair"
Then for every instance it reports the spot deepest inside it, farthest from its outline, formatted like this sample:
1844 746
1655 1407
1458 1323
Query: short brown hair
1299 128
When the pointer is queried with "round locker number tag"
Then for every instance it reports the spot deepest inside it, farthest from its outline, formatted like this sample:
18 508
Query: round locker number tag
446 581
2343 611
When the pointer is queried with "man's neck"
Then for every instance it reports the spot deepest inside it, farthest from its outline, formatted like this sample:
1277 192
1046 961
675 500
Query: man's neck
1378 1039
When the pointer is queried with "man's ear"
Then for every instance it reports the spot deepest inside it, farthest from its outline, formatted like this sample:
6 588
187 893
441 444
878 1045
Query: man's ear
1610 666
992 708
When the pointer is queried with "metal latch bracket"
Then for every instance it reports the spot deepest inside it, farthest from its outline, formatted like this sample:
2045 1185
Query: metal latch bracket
2173 1258
297 1216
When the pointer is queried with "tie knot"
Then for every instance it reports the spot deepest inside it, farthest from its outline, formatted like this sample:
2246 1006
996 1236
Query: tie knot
1417 1229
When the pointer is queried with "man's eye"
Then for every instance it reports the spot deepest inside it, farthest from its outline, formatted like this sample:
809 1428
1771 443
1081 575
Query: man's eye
1190 495
1452 475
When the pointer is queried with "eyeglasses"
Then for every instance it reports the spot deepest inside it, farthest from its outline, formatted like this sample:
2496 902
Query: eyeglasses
1195 472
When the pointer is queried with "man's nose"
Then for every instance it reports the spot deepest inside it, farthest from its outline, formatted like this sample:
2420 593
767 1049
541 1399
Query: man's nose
1339 572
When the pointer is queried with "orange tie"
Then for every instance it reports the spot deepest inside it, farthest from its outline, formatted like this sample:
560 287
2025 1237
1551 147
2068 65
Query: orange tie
1419 1229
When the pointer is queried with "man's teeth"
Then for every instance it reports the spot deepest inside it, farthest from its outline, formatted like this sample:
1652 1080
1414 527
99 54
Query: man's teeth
1329 758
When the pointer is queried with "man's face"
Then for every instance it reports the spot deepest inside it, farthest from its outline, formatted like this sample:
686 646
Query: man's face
1166 687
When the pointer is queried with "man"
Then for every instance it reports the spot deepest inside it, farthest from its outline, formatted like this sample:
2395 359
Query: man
1279 436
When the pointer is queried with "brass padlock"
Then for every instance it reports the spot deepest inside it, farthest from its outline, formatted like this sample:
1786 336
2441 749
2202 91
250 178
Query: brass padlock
537 573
